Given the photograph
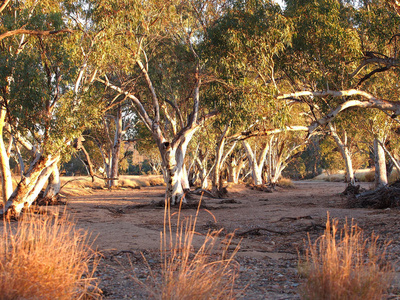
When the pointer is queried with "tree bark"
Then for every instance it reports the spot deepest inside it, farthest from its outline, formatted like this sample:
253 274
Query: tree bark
26 186
6 178
380 165
173 156
54 183
113 182
256 166
219 151
345 152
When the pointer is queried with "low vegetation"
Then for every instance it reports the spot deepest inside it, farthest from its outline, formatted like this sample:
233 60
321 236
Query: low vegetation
345 265
46 257
209 272
77 185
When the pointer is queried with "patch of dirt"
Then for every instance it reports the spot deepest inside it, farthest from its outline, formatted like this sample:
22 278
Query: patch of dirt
271 229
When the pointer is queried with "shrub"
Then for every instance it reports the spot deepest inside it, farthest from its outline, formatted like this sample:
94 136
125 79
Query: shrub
394 176
369 177
285 182
45 257
345 265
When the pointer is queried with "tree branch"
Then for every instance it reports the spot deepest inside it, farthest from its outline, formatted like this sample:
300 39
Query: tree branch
370 102
3 5
34 32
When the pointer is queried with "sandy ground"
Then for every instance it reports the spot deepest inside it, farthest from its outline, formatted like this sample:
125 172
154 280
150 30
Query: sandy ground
270 227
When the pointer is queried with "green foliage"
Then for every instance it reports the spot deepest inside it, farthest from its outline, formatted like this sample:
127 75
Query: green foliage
325 44
38 73
242 47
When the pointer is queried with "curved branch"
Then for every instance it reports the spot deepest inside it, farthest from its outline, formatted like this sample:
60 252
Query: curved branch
370 102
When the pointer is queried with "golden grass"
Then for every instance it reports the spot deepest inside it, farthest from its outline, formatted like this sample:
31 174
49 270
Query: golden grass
46 257
362 175
394 176
80 185
285 183
188 274
345 265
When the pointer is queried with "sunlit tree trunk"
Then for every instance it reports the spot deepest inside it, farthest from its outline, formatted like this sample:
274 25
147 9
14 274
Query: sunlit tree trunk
234 168
380 165
345 152
202 169
53 184
30 186
113 182
219 151
173 156
6 177
255 165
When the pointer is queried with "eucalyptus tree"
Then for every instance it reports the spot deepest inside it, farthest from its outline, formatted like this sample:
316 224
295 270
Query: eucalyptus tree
150 47
243 58
39 68
373 71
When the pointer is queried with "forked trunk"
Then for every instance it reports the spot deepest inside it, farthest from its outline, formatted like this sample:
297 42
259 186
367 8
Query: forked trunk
234 169
345 152
380 165
40 183
203 174
173 156
30 186
256 166
174 191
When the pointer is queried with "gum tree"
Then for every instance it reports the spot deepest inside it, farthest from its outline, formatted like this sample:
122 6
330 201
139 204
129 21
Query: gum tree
149 55
39 71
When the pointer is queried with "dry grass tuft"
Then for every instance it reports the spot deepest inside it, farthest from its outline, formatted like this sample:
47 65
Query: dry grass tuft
369 177
189 274
45 257
345 265
80 185
285 183
394 176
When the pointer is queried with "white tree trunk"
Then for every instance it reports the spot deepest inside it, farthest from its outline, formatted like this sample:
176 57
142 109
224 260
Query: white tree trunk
185 179
219 151
113 182
174 191
54 183
40 183
25 187
345 152
256 166
173 160
6 178
203 174
380 165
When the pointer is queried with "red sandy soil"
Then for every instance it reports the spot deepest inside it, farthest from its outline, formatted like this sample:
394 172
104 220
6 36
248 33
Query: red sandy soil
268 257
